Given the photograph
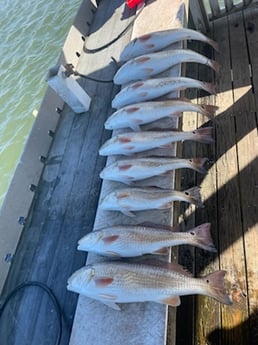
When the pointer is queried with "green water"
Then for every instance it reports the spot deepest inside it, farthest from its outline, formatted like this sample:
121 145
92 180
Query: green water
31 37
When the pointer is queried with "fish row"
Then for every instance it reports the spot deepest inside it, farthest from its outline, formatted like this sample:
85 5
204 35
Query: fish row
138 279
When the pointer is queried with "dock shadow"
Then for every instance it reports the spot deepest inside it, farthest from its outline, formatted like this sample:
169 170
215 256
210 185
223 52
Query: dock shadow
250 327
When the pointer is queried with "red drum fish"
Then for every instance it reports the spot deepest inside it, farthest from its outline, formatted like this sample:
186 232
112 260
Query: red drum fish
147 66
132 142
134 115
147 280
137 240
155 41
127 200
149 89
130 170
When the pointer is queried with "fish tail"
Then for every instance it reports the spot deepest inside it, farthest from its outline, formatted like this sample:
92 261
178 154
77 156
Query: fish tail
198 164
203 237
214 65
209 110
216 287
213 44
194 196
203 135
209 87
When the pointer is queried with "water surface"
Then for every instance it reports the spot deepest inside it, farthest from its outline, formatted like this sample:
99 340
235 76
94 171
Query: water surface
31 37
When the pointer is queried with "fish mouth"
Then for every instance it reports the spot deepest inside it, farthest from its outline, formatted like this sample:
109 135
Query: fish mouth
69 285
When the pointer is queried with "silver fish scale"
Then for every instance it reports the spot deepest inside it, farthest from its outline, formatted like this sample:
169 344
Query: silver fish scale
141 276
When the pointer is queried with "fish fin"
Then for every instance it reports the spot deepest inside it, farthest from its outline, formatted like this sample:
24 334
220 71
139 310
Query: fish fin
135 127
173 115
203 135
157 226
167 146
130 110
194 196
111 305
111 253
161 251
106 296
142 59
183 99
127 212
202 237
166 173
128 180
171 266
110 239
214 65
124 167
103 281
124 140
209 110
213 44
209 87
166 205
198 164
216 288
173 301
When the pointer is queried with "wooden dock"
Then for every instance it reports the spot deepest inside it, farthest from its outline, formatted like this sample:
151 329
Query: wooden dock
229 191
66 199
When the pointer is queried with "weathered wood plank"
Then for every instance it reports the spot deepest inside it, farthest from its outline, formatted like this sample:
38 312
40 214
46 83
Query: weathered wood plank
229 203
243 95
250 20
246 129
206 308
186 312
199 15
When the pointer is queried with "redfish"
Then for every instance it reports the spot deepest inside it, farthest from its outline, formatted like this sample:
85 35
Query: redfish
147 280
149 89
127 200
155 41
147 66
137 240
134 115
132 142
130 170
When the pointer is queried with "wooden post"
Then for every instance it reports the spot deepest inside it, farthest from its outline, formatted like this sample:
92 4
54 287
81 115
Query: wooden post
199 15
69 90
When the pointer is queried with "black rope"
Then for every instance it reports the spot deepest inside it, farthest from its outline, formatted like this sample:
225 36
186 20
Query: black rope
95 50
51 296
93 79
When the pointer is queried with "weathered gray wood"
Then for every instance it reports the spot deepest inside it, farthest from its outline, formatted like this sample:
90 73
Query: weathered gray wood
215 8
199 15
186 218
207 308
